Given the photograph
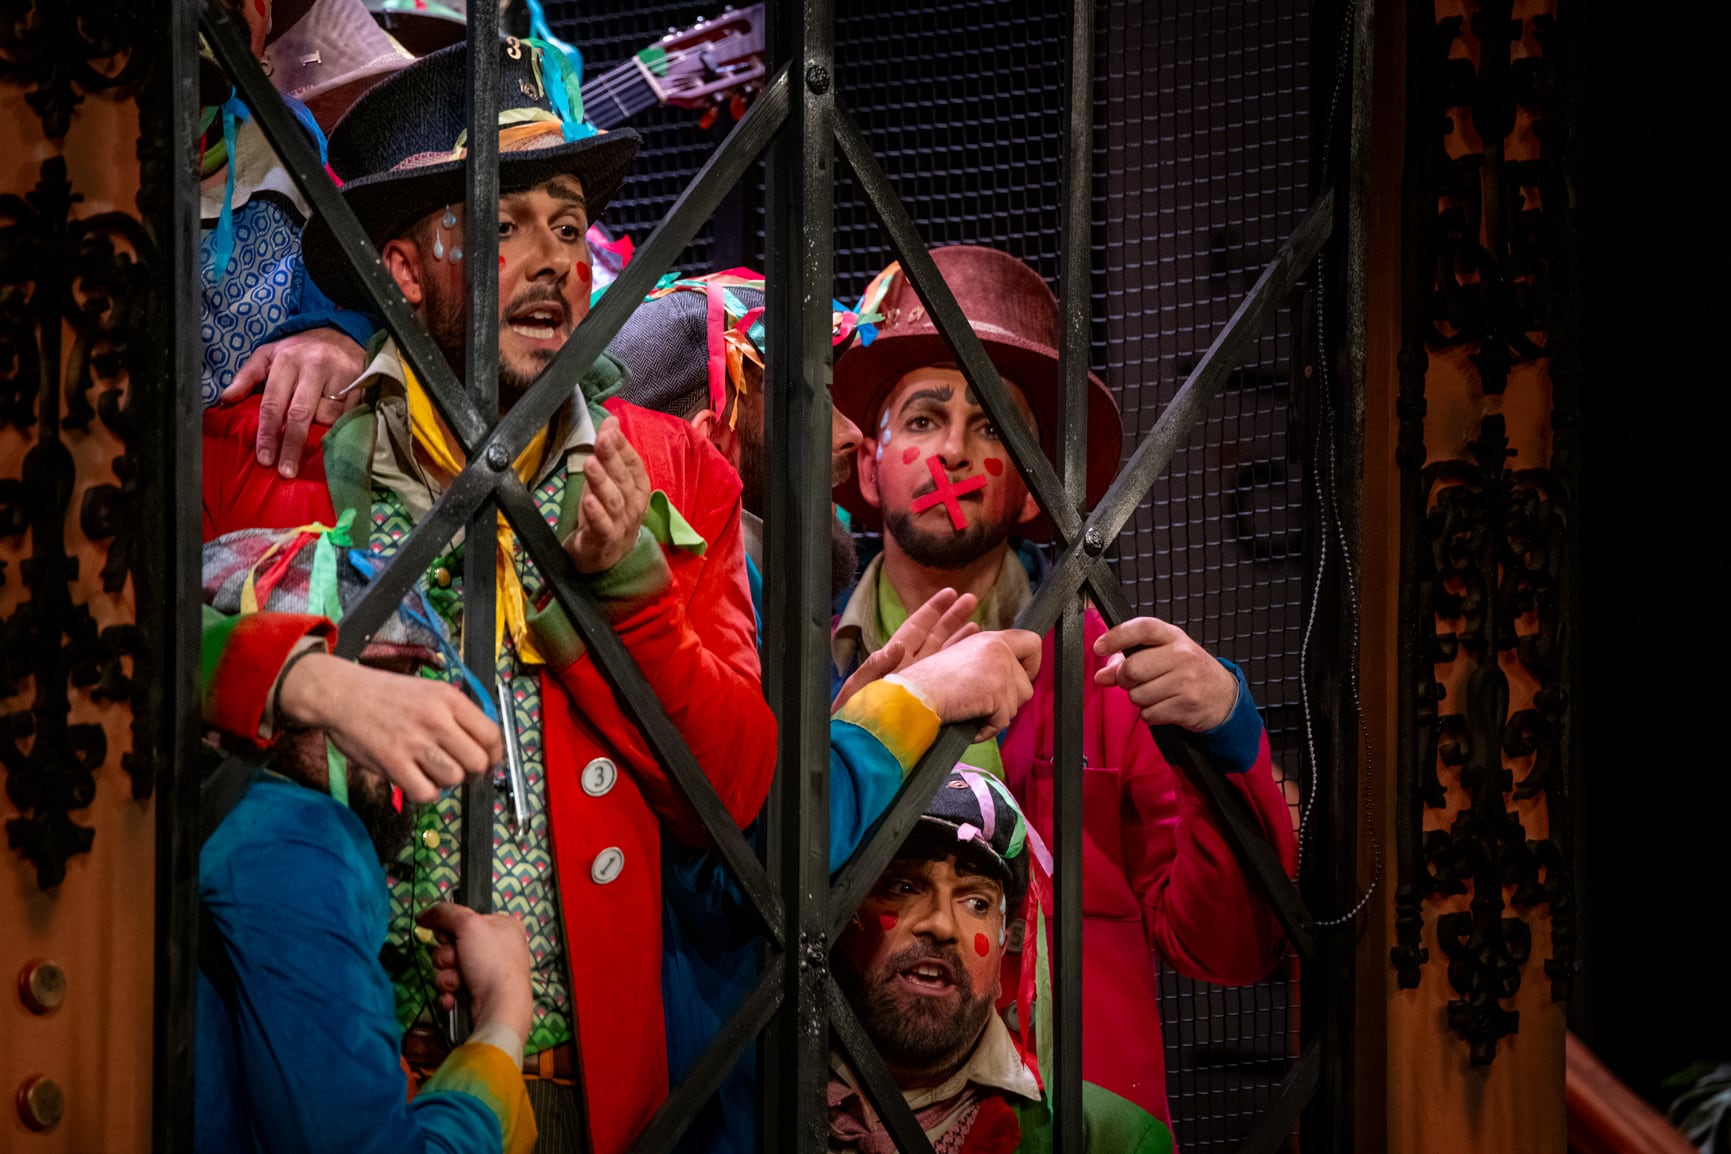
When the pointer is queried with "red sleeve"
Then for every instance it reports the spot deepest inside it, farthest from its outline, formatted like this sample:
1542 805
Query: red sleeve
696 642
1201 911
239 493
242 657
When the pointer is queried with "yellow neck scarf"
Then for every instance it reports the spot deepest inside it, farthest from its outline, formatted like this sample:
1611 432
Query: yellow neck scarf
434 439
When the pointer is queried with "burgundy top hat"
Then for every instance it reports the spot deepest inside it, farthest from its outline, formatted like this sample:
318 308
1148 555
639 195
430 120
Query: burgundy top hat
1015 316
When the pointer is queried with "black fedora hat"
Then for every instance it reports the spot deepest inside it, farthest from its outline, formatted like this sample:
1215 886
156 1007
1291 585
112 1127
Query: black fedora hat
399 151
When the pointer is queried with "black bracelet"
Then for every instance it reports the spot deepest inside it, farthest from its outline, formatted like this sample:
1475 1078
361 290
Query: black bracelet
281 677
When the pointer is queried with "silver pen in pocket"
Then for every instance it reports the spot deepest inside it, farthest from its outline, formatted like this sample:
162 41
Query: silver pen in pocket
513 761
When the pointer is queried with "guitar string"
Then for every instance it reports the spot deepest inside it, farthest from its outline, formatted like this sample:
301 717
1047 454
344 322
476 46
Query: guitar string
622 77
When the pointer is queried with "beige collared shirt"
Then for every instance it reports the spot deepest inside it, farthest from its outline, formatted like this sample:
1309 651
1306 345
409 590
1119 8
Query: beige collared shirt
859 631
397 468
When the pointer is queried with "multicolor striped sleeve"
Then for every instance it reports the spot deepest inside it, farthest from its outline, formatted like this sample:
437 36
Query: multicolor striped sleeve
874 740
891 713
487 1074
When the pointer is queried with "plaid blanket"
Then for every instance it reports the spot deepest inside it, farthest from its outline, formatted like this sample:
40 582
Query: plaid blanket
280 565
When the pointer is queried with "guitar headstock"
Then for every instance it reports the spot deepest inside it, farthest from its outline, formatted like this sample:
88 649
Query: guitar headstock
708 62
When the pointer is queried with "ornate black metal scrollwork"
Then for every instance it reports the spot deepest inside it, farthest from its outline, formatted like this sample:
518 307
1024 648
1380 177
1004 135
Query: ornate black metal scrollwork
1487 555
59 271
62 50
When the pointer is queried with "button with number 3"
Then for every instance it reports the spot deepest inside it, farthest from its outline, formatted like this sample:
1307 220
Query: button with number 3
598 776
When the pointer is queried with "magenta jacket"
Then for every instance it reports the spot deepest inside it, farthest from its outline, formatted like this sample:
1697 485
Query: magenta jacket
1158 873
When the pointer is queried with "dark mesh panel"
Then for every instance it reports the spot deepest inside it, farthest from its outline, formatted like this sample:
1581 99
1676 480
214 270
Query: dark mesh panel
674 146
1203 168
1208 142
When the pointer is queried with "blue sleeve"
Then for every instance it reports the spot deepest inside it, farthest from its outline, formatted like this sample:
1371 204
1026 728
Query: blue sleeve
301 907
863 778
1236 742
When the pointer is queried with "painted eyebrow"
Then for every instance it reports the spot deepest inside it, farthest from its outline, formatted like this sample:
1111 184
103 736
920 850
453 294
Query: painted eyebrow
943 394
564 193
568 194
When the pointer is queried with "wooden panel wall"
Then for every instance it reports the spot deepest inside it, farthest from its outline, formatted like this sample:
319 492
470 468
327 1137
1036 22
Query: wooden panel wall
1452 358
66 293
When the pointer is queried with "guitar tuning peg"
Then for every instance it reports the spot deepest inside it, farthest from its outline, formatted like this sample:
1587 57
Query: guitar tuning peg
736 106
707 120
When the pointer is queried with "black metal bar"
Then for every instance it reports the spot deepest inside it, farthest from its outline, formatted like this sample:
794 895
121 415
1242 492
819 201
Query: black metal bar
1210 374
875 1078
1065 1079
301 162
797 408
480 244
675 1114
1275 1125
1414 740
1068 759
1331 988
554 388
892 216
628 683
1244 834
1243 828
170 516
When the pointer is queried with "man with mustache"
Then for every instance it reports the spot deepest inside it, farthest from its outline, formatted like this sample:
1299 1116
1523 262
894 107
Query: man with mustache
921 965
297 1033
694 349
934 470
583 870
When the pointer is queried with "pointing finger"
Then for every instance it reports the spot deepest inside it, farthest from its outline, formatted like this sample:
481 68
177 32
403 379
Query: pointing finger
1137 631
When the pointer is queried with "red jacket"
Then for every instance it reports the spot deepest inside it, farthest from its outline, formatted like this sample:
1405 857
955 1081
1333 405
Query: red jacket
1157 873
694 638
696 645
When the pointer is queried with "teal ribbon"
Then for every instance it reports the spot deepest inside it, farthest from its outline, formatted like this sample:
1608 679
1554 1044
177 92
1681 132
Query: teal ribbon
540 30
324 599
234 113
564 85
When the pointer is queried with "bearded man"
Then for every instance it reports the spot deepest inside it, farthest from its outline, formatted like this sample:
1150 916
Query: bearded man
921 965
694 348
934 471
583 871
297 1032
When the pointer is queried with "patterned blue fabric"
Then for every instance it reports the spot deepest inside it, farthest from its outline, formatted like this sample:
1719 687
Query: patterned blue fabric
266 294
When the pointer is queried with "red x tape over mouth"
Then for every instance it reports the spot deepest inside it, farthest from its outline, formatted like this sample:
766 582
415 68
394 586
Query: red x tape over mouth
947 493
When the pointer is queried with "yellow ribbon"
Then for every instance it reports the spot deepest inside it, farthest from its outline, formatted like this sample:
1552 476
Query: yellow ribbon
434 439
518 127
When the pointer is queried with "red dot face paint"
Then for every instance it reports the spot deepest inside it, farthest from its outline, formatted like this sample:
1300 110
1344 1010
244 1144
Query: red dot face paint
888 922
994 466
909 455
982 947
501 264
583 271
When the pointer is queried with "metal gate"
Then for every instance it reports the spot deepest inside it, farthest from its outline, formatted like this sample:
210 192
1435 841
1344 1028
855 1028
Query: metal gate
801 122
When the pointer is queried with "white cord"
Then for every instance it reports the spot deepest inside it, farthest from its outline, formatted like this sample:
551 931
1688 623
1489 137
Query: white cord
1333 532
